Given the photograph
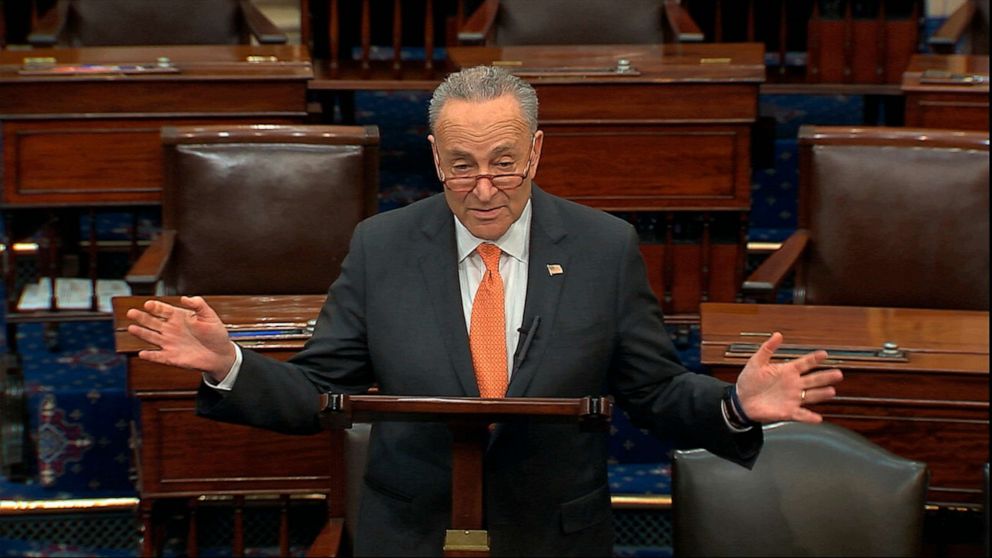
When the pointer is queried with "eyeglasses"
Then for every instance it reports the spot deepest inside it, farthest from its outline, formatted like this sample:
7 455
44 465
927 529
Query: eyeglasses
505 181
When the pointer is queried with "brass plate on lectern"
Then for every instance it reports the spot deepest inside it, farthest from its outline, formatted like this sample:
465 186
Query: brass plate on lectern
466 540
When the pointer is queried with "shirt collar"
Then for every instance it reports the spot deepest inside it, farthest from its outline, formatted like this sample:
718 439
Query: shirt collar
514 242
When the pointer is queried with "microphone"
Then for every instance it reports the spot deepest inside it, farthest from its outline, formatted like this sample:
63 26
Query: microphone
528 337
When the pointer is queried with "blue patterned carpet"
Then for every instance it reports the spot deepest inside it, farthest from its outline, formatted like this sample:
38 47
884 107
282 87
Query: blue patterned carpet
79 415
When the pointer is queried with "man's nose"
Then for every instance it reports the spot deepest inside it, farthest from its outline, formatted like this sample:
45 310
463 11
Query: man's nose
484 188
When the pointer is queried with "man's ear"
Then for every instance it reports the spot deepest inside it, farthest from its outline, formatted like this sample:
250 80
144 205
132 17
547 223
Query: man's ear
435 156
536 155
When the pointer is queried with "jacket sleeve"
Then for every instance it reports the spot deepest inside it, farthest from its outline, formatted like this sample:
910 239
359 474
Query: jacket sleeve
283 396
650 383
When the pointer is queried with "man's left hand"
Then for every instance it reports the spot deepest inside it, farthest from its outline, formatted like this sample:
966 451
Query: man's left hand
776 391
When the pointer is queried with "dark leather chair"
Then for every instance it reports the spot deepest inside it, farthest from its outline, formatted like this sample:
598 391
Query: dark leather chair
577 22
259 209
337 538
3 25
985 506
815 490
888 217
965 31
76 23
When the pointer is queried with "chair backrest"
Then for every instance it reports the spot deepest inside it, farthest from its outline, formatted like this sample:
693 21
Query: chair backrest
815 490
897 217
154 22
986 510
265 209
356 443
980 28
562 22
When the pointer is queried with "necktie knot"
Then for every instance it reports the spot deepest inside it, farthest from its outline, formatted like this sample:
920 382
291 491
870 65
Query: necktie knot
490 256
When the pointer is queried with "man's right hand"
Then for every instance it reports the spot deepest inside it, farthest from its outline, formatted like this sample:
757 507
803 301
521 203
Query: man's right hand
190 336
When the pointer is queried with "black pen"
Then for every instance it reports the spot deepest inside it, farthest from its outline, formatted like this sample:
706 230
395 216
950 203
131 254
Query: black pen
527 339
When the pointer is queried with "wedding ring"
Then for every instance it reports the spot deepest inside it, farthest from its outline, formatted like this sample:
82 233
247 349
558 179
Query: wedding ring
802 397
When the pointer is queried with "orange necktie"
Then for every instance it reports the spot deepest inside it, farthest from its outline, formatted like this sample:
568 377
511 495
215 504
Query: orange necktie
487 330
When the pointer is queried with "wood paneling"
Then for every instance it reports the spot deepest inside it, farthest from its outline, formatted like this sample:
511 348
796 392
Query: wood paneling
647 167
91 161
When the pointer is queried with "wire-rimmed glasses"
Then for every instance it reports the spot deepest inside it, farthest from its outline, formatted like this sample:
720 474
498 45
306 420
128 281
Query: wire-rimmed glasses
503 181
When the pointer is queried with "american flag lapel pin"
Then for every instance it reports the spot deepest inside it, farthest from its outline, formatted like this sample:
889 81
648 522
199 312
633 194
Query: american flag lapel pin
555 269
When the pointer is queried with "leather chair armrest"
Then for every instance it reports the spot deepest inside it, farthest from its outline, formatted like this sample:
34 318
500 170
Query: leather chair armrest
328 541
477 27
147 271
681 26
262 28
764 282
949 34
46 30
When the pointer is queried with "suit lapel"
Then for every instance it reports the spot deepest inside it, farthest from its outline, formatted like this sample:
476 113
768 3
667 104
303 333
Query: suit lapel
439 266
543 288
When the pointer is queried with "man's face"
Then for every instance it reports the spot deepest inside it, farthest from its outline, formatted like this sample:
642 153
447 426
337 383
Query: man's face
489 137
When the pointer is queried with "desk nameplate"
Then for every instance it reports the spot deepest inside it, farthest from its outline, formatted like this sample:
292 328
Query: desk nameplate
834 355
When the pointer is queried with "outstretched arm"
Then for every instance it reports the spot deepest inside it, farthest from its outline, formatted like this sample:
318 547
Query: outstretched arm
772 391
189 336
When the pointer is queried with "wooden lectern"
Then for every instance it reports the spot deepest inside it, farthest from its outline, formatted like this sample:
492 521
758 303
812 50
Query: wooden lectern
468 418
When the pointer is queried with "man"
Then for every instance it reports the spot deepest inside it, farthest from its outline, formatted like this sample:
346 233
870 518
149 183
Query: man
439 298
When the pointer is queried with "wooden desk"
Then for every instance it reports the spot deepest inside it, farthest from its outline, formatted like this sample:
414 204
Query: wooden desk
932 405
93 139
179 454
672 136
957 106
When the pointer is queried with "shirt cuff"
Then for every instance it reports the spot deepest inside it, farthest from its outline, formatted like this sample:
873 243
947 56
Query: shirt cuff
726 418
227 384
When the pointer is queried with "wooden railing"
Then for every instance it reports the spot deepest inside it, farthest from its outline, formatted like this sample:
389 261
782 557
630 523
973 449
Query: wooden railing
842 44
358 41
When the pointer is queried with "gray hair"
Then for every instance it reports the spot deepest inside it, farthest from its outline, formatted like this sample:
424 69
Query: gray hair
484 83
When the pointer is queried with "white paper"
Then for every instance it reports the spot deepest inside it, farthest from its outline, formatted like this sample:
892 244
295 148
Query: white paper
73 294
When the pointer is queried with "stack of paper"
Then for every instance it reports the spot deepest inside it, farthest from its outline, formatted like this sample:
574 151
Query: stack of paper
72 293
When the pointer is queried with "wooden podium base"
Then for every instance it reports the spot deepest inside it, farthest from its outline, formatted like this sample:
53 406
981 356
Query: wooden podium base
468 419
466 542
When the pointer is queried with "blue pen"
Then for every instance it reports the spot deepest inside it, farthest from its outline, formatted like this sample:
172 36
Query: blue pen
242 333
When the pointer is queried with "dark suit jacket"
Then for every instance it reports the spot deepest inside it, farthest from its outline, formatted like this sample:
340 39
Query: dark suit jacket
394 317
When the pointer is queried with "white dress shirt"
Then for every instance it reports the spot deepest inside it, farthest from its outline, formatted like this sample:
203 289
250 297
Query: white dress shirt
515 244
